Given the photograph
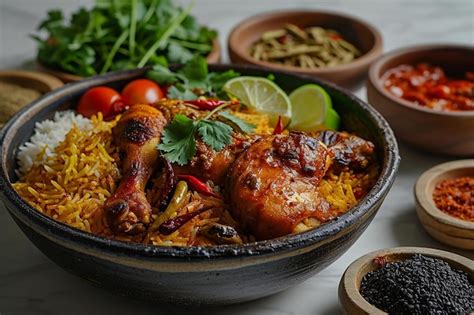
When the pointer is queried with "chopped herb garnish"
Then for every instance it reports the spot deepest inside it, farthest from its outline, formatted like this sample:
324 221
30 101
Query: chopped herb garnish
192 80
179 137
242 124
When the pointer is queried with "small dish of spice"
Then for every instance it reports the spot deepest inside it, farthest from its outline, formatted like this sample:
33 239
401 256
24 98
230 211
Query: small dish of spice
19 88
428 86
426 93
307 48
327 45
445 202
408 280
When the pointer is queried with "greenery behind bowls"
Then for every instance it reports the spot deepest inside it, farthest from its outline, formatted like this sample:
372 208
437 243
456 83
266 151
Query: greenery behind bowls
118 35
197 275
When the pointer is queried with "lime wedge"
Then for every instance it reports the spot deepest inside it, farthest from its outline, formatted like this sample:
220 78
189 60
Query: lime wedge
332 120
312 109
262 95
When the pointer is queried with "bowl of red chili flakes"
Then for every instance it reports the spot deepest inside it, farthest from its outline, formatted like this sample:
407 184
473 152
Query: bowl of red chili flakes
444 197
427 95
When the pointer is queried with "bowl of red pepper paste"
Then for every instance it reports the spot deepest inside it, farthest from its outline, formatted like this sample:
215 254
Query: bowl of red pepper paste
427 95
445 202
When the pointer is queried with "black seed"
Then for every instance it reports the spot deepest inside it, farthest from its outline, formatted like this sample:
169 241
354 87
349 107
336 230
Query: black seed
419 285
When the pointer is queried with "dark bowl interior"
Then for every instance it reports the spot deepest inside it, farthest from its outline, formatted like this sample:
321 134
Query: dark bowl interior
211 275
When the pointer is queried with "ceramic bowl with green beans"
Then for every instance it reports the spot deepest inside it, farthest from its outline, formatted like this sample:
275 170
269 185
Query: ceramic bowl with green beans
331 46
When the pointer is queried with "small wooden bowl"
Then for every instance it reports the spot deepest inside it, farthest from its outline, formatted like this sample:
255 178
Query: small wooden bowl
449 133
213 57
443 227
41 82
364 36
349 287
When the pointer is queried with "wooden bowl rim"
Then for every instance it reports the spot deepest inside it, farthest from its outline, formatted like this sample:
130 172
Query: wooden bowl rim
214 56
426 202
376 81
354 269
373 53
49 81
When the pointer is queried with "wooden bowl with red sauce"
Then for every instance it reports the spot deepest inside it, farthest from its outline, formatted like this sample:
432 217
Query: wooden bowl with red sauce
437 131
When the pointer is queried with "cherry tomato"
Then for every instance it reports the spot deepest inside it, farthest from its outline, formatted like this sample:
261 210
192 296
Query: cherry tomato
100 99
142 91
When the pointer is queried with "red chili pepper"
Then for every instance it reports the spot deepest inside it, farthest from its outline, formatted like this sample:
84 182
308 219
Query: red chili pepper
380 261
283 39
168 227
279 127
206 104
198 185
335 36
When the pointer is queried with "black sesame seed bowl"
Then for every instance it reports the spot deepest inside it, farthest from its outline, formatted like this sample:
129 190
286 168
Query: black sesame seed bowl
419 280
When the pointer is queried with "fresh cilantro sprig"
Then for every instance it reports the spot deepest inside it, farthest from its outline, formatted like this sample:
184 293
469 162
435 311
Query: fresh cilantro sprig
242 124
179 137
117 35
192 80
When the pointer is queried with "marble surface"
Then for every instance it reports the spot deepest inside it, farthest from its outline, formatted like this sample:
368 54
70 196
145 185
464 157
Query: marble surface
31 284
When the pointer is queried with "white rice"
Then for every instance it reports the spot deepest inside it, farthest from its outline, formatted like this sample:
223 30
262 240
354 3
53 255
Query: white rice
48 134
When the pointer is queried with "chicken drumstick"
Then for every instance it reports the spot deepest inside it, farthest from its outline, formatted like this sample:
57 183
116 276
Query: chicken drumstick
136 135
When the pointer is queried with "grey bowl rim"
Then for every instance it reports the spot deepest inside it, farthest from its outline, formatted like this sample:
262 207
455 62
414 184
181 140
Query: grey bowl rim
391 161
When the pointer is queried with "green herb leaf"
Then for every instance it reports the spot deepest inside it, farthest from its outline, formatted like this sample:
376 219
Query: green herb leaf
195 71
180 94
242 124
179 137
218 79
178 143
178 53
117 35
193 76
162 75
215 134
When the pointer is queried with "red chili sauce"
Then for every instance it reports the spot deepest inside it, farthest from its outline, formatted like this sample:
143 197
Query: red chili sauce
428 86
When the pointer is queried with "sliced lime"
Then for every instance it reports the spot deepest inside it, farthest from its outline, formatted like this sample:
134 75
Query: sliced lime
262 95
312 109
332 120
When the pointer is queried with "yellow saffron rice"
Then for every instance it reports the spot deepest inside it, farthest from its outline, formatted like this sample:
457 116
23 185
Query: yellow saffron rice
72 184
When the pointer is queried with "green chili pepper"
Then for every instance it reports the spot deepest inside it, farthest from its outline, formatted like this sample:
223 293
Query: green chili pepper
175 203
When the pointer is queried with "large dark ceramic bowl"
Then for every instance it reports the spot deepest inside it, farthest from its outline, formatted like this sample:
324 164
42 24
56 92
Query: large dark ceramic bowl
211 275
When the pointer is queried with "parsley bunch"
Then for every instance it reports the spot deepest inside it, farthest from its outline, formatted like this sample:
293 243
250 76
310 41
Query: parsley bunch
116 35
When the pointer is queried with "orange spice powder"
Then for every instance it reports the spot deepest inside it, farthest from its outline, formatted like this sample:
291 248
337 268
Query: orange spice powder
456 197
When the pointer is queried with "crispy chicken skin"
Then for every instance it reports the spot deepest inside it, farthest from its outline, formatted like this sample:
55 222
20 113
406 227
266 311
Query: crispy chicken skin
272 186
347 151
136 136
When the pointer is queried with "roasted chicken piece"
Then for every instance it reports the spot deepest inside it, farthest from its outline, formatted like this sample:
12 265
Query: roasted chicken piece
347 151
208 164
136 135
272 186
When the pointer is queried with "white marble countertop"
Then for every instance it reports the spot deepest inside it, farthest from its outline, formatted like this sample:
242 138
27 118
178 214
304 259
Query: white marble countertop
31 284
